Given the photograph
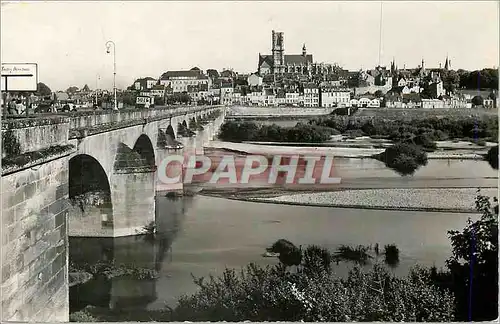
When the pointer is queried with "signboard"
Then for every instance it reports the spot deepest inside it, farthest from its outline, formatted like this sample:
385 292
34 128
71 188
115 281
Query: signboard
19 77
142 100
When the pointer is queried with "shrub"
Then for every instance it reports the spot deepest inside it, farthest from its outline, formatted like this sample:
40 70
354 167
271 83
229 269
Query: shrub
492 157
391 253
272 294
249 131
481 142
353 133
426 141
317 260
357 255
404 158
82 316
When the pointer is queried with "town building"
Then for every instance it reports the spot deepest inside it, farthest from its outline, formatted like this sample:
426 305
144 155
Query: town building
179 81
311 95
335 97
254 80
145 83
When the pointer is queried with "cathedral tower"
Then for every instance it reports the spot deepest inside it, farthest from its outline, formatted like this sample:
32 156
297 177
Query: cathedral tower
278 50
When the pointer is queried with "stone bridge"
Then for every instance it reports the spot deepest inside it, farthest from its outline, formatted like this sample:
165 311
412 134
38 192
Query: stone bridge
89 174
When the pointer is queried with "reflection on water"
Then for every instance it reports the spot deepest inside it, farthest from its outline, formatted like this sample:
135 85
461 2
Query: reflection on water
137 251
202 235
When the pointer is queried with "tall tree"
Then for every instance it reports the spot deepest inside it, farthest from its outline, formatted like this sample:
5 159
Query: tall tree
72 90
213 73
42 89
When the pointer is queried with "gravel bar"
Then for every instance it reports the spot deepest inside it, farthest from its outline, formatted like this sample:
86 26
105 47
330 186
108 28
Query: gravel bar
450 199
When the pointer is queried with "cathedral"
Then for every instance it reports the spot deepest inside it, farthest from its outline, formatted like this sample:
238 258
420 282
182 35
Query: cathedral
279 63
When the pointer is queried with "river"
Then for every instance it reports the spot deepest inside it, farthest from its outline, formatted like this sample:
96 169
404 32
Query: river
202 235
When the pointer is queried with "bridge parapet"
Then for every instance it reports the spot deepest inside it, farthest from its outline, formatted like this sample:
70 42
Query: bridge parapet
34 134
95 118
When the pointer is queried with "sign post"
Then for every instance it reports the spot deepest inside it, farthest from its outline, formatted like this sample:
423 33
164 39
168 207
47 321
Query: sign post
18 77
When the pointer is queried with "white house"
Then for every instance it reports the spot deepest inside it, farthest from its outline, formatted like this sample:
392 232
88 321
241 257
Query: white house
335 97
364 102
254 80
432 103
292 98
311 96
146 83
180 80
374 103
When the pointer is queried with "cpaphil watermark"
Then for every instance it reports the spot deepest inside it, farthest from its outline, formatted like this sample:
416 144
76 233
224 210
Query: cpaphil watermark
237 170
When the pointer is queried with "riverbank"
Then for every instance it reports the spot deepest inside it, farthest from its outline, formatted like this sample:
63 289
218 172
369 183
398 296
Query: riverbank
450 200
436 200
340 152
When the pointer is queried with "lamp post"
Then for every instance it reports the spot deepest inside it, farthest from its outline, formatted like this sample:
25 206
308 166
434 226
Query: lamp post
108 46
98 77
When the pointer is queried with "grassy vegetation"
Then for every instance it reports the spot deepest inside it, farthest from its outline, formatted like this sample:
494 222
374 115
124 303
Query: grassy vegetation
21 160
111 270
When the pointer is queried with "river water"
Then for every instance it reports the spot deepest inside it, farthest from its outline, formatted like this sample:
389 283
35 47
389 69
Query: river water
202 235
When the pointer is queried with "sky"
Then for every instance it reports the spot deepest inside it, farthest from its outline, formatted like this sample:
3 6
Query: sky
67 39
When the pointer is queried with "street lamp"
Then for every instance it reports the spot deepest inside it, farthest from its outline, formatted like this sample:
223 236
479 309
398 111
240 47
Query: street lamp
98 77
108 47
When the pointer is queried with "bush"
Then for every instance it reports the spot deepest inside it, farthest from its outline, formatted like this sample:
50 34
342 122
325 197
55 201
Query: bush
82 316
492 157
391 253
481 142
404 158
249 131
357 255
272 294
317 260
353 133
426 141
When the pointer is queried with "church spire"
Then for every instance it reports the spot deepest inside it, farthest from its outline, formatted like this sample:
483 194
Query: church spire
304 51
447 63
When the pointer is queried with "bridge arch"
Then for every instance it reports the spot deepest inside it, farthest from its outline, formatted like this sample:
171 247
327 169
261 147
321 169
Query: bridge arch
89 184
145 148
170 132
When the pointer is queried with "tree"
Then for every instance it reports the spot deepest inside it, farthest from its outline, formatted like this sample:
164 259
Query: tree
473 267
404 158
213 73
43 90
72 90
378 94
451 81
477 101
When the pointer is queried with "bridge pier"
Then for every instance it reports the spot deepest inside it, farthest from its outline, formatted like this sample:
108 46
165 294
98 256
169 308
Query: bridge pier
133 196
